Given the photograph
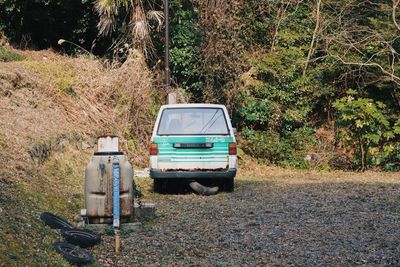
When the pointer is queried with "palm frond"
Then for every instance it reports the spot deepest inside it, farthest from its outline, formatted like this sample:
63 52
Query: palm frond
108 10
140 26
106 25
157 16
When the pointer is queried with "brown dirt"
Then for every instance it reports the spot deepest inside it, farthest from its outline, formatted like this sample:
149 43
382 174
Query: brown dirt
283 218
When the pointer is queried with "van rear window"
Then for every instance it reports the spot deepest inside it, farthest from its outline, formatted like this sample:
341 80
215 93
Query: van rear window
193 121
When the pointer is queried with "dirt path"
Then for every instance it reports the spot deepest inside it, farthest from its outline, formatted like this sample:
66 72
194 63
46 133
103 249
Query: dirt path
304 220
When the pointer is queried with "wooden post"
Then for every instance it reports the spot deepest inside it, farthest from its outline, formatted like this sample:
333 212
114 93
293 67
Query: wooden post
171 99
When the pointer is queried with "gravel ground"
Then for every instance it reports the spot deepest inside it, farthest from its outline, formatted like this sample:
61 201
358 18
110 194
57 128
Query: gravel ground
288 220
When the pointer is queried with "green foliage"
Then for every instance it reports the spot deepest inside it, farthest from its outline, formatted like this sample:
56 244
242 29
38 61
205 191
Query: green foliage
185 48
288 149
40 24
363 124
389 158
7 55
282 97
285 98
275 114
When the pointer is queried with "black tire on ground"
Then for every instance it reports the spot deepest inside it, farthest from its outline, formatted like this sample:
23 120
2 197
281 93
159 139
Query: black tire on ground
72 253
54 221
81 238
229 185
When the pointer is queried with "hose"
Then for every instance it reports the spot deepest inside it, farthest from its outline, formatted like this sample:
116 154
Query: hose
203 190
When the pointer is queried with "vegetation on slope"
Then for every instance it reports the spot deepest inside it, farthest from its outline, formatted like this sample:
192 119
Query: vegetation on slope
52 108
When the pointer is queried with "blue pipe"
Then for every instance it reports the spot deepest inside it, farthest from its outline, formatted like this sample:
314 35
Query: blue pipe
116 192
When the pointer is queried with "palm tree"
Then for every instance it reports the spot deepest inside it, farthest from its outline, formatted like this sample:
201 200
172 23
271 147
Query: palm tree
141 12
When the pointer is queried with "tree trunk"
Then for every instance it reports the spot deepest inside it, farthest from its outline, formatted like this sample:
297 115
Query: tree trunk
281 16
394 9
314 37
362 156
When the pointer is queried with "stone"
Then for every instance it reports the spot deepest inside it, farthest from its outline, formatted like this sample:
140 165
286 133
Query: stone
144 211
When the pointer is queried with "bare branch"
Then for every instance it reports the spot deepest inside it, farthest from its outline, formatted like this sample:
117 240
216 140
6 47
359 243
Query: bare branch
394 9
314 37
389 74
281 14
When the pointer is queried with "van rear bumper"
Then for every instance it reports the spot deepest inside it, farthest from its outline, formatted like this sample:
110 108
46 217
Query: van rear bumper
158 174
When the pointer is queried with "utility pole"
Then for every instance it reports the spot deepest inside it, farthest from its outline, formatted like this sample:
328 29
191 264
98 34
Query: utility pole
171 98
167 70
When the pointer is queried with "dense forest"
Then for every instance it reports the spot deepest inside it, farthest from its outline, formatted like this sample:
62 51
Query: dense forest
308 83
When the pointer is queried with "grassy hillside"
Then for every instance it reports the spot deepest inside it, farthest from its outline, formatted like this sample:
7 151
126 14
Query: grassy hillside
51 110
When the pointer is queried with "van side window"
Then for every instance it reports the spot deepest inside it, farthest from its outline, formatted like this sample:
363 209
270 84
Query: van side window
194 121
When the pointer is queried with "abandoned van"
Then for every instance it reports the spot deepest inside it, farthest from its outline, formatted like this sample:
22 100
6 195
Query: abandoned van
193 142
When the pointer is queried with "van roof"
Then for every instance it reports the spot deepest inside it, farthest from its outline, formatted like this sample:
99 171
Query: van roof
193 105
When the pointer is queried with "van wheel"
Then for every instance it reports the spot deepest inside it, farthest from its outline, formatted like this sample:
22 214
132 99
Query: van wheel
158 186
229 185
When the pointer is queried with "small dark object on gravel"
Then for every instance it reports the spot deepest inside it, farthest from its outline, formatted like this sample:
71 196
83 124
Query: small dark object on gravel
54 221
72 253
204 190
81 238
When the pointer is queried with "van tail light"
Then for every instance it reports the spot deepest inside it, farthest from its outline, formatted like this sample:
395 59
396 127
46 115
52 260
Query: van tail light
153 149
232 148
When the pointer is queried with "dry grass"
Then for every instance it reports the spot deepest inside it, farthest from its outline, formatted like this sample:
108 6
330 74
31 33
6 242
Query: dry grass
64 93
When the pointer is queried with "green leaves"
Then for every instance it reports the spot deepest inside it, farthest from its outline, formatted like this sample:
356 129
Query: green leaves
363 124
185 46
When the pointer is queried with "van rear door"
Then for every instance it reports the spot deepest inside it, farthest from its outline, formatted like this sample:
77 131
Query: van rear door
190 139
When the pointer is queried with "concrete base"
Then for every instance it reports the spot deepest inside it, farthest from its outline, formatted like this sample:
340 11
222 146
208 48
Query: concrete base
108 228
144 211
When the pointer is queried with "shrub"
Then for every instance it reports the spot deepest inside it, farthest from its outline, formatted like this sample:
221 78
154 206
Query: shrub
288 149
363 125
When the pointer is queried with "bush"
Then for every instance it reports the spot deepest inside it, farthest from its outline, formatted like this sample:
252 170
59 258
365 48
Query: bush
185 48
288 149
363 125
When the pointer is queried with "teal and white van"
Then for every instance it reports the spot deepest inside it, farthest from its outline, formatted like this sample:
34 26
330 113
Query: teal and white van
193 142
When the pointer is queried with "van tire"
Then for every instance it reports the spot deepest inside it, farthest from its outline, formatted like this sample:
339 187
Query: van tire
229 185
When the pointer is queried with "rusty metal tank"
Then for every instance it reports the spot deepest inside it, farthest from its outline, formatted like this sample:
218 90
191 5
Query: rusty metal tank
99 186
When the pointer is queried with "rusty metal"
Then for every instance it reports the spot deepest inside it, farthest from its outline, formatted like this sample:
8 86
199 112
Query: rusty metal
195 170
